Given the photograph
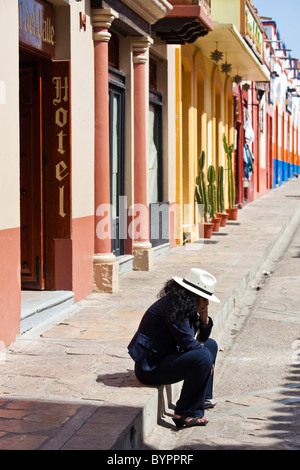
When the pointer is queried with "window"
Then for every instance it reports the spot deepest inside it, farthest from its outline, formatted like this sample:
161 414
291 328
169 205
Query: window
155 148
116 142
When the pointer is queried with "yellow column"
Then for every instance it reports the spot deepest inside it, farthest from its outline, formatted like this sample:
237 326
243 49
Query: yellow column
179 215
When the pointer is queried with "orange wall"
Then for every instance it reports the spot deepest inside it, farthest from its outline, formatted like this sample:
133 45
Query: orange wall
83 251
10 286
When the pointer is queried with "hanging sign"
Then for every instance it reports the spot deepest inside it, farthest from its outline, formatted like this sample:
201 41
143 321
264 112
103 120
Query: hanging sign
36 26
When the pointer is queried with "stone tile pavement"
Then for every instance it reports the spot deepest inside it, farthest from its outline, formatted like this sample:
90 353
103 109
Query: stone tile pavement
69 384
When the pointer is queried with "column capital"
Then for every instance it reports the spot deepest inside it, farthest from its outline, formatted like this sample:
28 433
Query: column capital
102 19
139 47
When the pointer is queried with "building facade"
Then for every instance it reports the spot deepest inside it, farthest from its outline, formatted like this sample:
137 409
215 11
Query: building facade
284 101
211 101
85 140
46 231
105 108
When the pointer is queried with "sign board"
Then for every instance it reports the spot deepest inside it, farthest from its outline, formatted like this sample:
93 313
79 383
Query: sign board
57 147
253 33
57 174
36 26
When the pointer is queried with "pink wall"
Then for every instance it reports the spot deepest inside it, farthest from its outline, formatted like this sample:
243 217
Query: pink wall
10 286
83 251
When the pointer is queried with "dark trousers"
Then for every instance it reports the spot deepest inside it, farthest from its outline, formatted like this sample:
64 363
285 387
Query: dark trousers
194 368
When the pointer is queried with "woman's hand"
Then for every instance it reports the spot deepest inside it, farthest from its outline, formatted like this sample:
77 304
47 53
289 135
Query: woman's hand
204 317
203 312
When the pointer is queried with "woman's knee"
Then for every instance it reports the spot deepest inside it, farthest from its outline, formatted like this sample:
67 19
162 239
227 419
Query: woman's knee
204 358
212 346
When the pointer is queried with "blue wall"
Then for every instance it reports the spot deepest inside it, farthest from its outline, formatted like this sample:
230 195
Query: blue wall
283 171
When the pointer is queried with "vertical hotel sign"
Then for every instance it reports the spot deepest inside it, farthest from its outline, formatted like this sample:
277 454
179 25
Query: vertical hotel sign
57 148
61 113
36 26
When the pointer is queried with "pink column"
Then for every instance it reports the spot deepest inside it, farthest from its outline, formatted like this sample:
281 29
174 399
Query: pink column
101 24
142 248
105 264
140 169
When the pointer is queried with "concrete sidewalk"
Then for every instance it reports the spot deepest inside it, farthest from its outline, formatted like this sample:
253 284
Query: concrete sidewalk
69 384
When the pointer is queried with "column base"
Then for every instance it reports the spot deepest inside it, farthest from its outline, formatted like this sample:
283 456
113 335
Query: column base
142 256
106 273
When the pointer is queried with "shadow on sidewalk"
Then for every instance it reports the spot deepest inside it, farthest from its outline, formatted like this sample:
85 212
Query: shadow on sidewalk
276 427
119 379
282 423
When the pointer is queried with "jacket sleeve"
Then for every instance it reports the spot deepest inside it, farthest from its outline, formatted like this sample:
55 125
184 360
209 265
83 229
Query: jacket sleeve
183 335
143 351
204 333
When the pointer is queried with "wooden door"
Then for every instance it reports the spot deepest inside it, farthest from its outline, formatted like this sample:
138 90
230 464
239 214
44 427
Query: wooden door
31 177
45 175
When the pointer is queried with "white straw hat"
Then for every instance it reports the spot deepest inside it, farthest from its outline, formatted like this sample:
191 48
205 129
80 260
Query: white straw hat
199 282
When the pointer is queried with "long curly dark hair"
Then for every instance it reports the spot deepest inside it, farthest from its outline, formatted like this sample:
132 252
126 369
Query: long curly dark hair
184 302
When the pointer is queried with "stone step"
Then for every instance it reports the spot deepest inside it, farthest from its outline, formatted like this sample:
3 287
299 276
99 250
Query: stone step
36 307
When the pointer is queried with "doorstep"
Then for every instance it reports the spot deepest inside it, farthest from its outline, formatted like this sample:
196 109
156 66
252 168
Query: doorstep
38 306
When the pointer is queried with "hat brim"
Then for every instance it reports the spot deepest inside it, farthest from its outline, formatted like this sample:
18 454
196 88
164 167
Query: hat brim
212 297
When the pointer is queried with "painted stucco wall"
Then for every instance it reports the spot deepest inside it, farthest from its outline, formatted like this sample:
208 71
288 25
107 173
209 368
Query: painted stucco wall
10 289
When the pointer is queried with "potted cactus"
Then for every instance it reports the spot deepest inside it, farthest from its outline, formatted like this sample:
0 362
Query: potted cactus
221 213
232 210
212 197
205 227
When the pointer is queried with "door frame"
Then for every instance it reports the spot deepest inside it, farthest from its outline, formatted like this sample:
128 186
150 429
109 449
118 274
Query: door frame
158 210
31 179
117 87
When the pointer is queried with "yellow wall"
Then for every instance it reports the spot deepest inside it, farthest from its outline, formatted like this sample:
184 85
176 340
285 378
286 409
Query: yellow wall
204 111
227 11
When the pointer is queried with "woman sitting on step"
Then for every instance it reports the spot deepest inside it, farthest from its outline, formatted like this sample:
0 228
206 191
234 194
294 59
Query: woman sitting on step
172 344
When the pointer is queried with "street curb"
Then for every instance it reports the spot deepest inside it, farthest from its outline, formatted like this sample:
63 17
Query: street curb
285 235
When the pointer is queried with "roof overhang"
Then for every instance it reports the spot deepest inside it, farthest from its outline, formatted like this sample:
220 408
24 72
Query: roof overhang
238 53
184 24
134 17
150 10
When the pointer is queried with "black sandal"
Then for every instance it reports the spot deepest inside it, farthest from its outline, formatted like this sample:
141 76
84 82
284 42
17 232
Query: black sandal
209 404
181 422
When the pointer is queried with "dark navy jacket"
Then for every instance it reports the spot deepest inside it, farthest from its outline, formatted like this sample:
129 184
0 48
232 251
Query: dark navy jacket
157 337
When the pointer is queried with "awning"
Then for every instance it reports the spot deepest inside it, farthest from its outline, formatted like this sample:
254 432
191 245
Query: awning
184 24
237 52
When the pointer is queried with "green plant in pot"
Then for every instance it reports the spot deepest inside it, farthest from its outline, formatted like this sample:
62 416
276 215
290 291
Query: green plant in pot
202 198
232 210
221 213
212 197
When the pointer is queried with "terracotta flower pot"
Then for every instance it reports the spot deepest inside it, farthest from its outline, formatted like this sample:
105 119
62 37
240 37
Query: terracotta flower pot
205 230
217 222
232 213
223 216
